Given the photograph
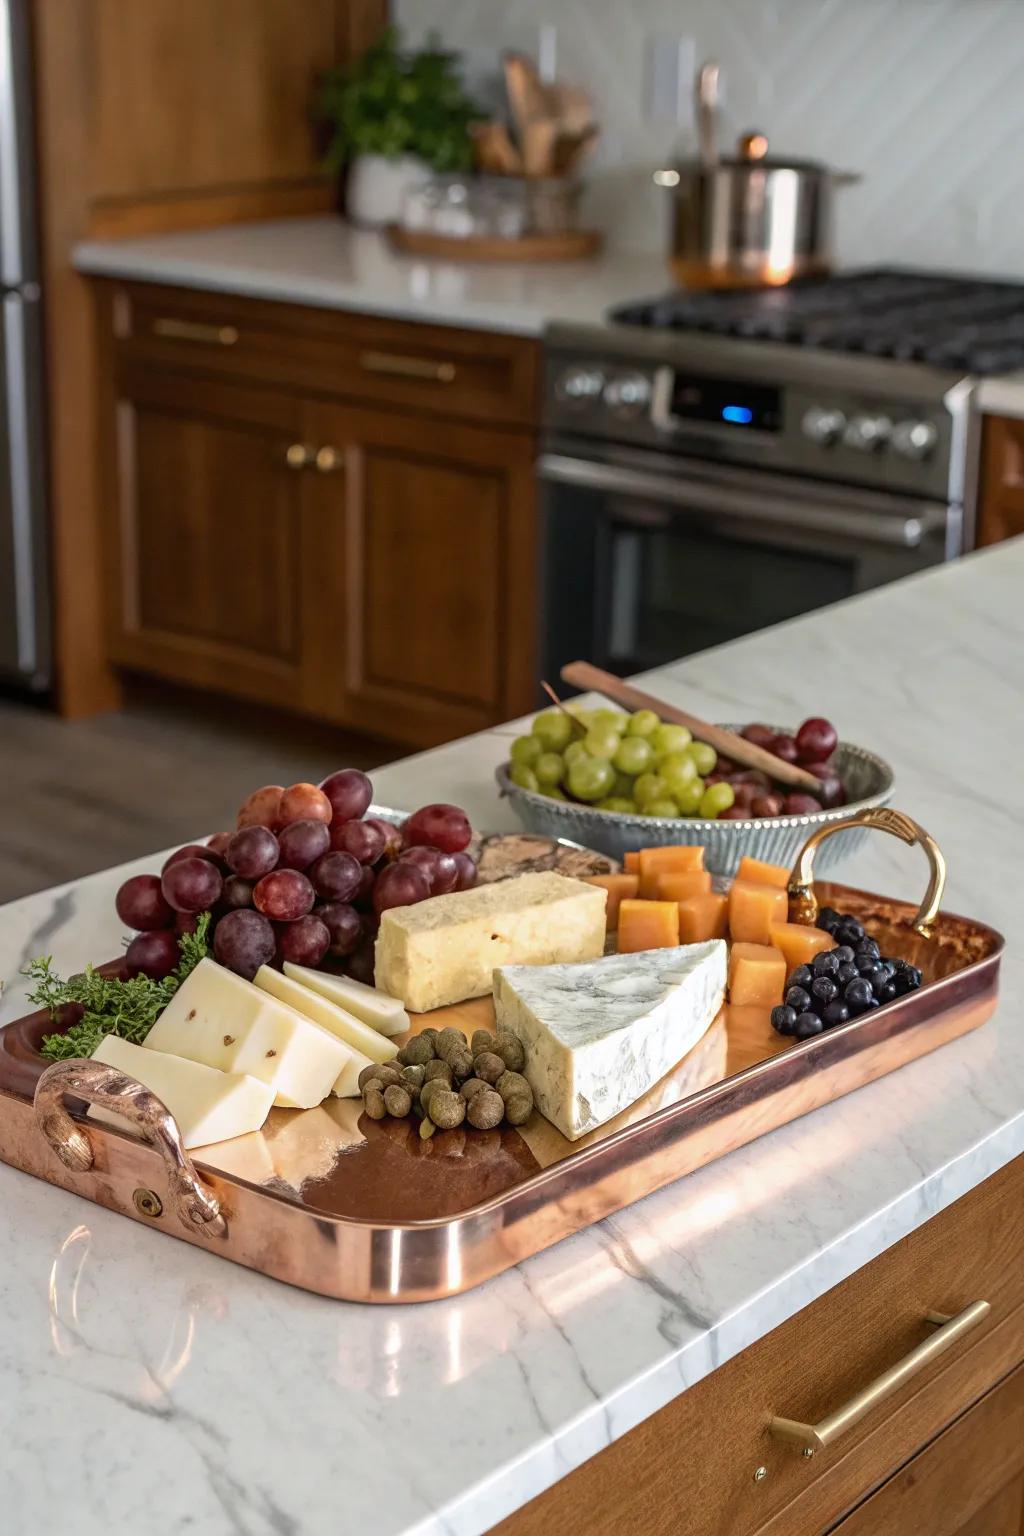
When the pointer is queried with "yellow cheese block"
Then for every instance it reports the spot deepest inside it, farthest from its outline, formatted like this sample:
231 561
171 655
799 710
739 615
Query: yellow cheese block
445 950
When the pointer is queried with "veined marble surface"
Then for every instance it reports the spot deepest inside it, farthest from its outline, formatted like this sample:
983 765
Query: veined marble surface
325 262
149 1385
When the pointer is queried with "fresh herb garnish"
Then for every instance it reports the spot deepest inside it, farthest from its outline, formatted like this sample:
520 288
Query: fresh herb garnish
125 1008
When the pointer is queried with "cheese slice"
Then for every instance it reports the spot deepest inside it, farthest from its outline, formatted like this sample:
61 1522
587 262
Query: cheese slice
352 1031
445 950
347 1083
597 1036
207 1105
376 1008
223 1021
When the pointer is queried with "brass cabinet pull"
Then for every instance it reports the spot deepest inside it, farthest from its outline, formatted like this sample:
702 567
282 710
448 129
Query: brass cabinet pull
195 1203
194 330
329 460
407 367
299 455
816 1437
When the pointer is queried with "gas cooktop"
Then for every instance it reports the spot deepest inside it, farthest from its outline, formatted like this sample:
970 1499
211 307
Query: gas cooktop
972 325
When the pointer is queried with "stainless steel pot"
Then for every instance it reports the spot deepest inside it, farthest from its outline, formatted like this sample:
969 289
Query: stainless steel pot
750 219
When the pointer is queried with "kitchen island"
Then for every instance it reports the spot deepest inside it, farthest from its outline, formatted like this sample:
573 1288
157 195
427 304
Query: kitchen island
151 1387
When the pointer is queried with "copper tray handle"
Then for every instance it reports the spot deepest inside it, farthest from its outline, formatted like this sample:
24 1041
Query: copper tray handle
803 904
197 1206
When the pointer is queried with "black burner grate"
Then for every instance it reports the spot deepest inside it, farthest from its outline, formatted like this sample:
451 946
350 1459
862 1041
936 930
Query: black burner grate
972 325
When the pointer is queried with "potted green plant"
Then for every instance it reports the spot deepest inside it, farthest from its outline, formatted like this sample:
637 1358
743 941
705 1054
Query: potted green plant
395 118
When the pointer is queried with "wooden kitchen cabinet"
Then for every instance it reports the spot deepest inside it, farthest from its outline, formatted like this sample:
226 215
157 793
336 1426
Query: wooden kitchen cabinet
381 575
1001 500
214 545
939 1456
438 531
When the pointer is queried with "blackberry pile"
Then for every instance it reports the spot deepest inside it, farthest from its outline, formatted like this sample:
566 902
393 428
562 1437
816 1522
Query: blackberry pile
841 983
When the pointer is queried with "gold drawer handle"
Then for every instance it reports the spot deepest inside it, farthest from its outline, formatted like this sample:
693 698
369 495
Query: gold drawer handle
803 904
193 330
299 456
816 1437
329 461
407 367
196 1205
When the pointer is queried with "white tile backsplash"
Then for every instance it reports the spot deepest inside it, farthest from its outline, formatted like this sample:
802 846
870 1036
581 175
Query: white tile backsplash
925 98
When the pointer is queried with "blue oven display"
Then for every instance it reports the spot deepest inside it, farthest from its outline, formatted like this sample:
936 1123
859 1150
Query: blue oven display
696 398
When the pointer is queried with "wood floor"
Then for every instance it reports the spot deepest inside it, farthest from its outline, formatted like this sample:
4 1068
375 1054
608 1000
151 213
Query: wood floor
79 796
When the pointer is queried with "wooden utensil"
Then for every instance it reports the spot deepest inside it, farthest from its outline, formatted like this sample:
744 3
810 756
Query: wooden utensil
582 675
495 152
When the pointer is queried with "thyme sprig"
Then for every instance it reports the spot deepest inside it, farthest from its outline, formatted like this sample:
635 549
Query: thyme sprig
111 1007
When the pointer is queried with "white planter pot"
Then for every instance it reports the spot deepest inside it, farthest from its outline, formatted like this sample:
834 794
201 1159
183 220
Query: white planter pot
377 187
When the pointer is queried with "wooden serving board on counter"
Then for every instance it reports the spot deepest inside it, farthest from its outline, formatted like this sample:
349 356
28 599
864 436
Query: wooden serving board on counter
363 1210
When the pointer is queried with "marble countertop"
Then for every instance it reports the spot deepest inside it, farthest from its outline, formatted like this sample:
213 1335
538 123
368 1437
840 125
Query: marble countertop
1001 396
324 262
152 1386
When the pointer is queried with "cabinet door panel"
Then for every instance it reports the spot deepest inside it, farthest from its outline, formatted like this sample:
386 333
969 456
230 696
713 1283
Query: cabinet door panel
216 544
1001 502
209 537
967 1482
438 525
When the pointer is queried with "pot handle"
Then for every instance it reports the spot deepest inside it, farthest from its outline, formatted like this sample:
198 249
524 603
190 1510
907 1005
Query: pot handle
803 904
196 1205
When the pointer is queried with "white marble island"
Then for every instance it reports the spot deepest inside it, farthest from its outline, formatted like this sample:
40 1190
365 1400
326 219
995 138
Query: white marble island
149 1385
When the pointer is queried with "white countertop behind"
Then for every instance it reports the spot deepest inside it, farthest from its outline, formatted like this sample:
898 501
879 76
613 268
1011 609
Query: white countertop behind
151 1386
325 262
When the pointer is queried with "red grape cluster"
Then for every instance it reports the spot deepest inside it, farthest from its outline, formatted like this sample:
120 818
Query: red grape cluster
757 796
304 877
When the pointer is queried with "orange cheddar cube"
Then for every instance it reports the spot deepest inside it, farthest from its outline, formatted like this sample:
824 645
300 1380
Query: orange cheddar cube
753 909
757 872
757 975
631 863
799 943
619 887
662 861
681 884
648 925
702 918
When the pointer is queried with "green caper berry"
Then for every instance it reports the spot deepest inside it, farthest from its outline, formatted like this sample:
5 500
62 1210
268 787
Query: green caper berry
482 1041
447 1109
437 1070
471 1087
510 1049
417 1052
518 1108
512 1082
398 1101
488 1066
427 1128
373 1102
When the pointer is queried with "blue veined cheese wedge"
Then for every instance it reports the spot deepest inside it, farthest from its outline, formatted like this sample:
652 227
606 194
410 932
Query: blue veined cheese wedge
446 949
597 1036
208 1105
223 1021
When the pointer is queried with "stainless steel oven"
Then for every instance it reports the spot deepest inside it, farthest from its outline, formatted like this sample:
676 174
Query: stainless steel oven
680 508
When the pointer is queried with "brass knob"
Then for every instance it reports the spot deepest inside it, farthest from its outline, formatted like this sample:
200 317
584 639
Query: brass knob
298 456
329 460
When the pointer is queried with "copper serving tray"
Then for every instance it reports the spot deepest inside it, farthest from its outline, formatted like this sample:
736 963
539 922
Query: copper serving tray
365 1211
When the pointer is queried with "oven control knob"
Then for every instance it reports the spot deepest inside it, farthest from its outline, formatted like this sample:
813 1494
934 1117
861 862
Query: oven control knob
867 433
914 439
823 426
627 394
580 386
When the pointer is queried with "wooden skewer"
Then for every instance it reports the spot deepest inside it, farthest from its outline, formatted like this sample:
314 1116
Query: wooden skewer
577 725
582 675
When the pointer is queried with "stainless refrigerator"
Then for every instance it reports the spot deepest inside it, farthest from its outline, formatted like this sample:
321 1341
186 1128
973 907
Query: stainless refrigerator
25 652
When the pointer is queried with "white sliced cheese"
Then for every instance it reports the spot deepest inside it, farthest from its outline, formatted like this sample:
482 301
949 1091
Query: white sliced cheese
376 1008
223 1021
208 1105
342 1025
347 1084
597 1036
445 950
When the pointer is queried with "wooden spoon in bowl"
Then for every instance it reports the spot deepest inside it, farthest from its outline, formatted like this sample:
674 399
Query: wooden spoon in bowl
582 675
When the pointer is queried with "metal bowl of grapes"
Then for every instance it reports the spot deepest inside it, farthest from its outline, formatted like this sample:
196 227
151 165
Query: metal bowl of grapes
617 782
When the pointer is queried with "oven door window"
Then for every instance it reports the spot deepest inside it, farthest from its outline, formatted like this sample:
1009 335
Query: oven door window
669 586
